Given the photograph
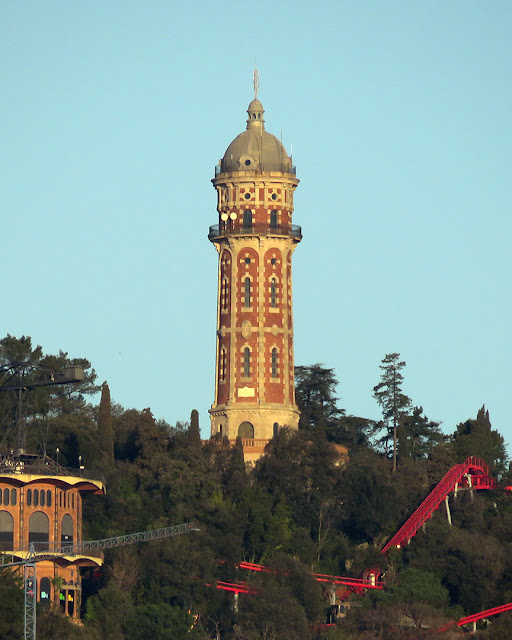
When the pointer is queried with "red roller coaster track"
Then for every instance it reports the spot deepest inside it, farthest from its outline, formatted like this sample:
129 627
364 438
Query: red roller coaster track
473 473
477 616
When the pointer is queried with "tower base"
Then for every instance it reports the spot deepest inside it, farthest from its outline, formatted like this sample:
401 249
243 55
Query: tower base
255 425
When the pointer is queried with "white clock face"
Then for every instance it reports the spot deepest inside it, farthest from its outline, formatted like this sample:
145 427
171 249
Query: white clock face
224 217
232 216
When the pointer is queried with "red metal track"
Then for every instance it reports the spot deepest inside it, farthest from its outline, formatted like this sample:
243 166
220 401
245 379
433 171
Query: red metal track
458 475
370 582
477 616
241 587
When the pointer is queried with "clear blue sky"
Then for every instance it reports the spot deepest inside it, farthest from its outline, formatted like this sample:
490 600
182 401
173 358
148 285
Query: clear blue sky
114 114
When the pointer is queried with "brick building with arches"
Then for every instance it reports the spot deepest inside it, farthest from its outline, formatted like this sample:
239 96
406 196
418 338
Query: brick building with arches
255 239
41 504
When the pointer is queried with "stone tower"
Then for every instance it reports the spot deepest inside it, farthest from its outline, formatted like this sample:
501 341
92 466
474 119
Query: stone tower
255 239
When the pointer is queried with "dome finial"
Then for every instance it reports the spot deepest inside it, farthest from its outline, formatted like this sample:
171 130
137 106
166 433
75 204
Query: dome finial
256 80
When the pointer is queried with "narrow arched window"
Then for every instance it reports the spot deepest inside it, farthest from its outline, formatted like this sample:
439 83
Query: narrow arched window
44 590
14 496
42 498
274 362
66 530
222 367
247 362
224 295
247 292
273 219
36 498
247 220
273 293
6 497
49 498
29 497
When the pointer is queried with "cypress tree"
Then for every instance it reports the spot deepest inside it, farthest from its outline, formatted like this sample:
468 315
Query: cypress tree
194 433
105 431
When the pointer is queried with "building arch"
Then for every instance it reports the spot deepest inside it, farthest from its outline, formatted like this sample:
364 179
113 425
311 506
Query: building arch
246 361
247 220
274 291
39 530
66 530
246 430
6 531
274 362
223 361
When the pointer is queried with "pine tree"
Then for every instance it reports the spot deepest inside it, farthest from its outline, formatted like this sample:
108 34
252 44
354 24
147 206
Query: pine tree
389 395
105 431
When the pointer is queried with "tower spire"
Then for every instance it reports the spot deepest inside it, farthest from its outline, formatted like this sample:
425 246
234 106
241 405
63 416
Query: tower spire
256 80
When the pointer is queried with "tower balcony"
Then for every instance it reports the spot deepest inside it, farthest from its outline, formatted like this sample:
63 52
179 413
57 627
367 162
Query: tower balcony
226 230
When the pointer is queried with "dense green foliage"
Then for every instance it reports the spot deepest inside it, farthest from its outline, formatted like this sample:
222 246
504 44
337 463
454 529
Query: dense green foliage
300 508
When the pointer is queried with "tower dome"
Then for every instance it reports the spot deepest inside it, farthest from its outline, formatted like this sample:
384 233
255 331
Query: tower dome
256 149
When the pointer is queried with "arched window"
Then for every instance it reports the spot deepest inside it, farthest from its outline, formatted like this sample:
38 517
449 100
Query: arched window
247 292
72 500
273 219
42 497
6 531
246 430
274 362
29 497
6 497
247 220
247 362
39 530
66 531
36 498
222 366
224 295
14 496
276 428
49 498
44 590
273 293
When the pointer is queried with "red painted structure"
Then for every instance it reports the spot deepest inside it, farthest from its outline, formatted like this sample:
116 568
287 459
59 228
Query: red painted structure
477 616
473 473
370 579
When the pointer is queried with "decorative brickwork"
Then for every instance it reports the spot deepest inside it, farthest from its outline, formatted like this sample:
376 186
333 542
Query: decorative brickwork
255 239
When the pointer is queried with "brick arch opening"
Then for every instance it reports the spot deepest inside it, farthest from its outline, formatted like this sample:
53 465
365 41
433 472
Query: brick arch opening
39 530
246 430
6 531
66 530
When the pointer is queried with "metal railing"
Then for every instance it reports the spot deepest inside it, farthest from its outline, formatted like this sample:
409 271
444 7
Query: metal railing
43 465
220 169
228 229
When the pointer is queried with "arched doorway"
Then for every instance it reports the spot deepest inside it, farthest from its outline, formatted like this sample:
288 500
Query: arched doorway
246 430
6 531
66 531
39 531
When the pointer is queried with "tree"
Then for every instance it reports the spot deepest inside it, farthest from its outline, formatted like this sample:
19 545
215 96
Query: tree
315 386
390 397
11 606
105 431
418 436
194 433
478 438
